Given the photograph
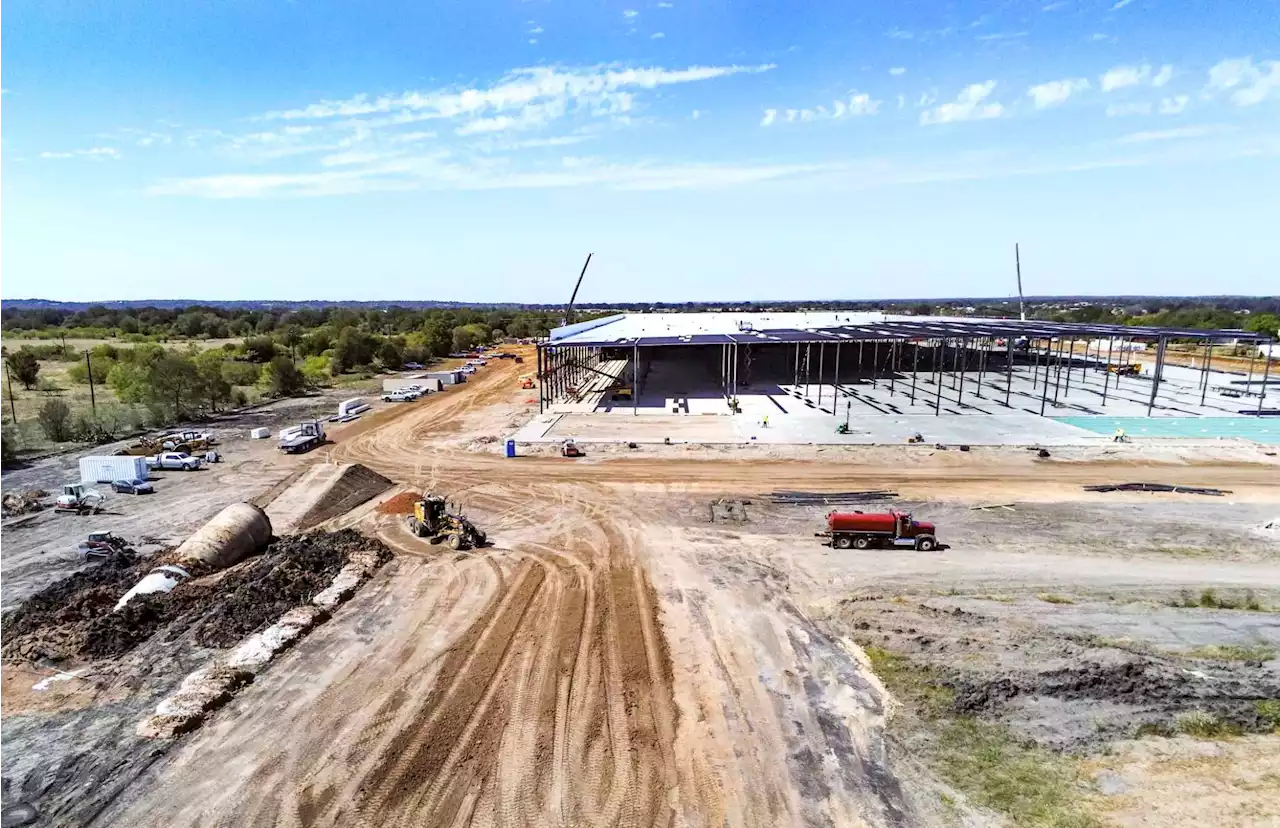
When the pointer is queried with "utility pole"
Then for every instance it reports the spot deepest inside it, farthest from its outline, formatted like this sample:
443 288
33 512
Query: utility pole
13 411
93 403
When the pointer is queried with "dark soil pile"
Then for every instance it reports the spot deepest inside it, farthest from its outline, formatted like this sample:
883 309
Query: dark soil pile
74 618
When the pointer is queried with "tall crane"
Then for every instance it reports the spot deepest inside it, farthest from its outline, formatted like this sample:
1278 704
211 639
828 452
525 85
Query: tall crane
568 311
1017 262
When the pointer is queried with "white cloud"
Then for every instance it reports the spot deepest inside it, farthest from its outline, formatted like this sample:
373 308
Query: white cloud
1002 36
898 70
1174 134
1098 37
93 153
1250 84
1122 76
1121 110
665 5
353 158
533 41
576 88
1120 4
534 28
1054 6
1174 105
696 114
858 104
657 36
968 106
1163 76
899 34
1056 92
925 99
902 101
630 14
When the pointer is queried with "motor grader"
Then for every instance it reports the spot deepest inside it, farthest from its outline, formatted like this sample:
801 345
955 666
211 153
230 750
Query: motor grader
432 519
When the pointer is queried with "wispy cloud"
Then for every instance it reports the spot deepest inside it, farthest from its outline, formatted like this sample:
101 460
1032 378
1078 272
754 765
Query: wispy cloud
857 104
1179 133
1054 6
1056 92
1121 110
657 36
630 14
898 70
1120 4
969 105
1002 36
1163 76
1174 105
93 153
1122 76
1248 84
522 87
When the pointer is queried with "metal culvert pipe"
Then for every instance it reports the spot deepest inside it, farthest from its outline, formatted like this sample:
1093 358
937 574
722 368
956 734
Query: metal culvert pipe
232 535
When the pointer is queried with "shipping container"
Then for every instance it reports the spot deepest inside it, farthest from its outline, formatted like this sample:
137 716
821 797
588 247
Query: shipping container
106 469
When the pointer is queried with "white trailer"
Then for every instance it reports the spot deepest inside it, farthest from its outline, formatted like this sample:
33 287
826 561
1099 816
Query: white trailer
351 407
107 469
302 437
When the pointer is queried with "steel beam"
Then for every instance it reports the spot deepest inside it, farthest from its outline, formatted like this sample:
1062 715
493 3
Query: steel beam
1155 381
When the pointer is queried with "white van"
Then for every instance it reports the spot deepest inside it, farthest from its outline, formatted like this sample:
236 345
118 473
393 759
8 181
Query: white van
351 407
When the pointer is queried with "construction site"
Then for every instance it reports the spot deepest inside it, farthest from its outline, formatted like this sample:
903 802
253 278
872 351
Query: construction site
685 570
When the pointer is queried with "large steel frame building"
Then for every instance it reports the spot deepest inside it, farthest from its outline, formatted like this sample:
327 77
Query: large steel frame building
809 347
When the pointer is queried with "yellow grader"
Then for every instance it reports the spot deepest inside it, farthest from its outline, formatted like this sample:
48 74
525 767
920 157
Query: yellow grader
432 519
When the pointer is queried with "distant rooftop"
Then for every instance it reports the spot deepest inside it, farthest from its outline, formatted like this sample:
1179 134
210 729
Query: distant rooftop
653 329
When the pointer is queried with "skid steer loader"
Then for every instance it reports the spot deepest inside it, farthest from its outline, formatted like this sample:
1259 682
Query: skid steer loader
431 519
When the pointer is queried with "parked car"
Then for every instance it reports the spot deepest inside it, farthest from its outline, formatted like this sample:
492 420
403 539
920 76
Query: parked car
176 460
135 486
413 366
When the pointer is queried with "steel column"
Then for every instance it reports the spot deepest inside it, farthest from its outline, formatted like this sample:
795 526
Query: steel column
1106 381
893 366
1266 373
915 363
1155 381
635 386
875 361
1208 360
822 352
937 407
1008 369
835 383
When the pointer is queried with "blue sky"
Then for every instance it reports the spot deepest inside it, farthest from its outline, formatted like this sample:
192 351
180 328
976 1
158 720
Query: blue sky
259 149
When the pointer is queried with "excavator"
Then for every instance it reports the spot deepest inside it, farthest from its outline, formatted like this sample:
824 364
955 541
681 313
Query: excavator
432 519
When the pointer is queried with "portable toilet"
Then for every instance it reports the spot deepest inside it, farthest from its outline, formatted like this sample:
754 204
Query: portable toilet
511 448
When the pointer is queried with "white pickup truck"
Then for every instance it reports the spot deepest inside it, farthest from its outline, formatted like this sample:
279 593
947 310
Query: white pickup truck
174 460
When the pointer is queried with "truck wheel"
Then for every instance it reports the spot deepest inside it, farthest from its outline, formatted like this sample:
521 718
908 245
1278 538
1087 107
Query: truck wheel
481 539
843 542
862 543
455 542
926 544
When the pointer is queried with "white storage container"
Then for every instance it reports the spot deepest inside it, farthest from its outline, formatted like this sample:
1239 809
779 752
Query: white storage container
355 405
105 469
259 433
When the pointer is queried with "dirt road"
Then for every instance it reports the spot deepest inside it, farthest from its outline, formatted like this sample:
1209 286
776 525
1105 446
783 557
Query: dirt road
592 667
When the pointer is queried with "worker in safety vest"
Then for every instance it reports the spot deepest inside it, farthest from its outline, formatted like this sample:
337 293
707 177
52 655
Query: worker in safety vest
1120 436
765 421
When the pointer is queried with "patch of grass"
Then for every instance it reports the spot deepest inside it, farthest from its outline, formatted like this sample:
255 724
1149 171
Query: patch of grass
1029 785
1203 725
1054 598
1210 599
1232 652
1269 711
1003 599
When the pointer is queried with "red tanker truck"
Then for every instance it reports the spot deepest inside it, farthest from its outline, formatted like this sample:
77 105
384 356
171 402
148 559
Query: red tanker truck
862 530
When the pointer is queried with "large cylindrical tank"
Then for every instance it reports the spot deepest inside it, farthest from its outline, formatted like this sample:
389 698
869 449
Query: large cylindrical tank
231 536
860 522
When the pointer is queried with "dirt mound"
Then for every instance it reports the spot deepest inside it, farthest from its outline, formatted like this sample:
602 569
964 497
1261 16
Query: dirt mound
24 502
401 504
324 492
74 618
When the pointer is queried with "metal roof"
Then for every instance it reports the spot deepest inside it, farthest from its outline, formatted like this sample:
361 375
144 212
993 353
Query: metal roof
674 329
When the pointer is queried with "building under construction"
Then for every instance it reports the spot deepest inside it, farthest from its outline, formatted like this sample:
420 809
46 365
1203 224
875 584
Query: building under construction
785 369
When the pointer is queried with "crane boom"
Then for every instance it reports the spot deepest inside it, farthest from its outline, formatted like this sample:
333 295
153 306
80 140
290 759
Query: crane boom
568 311
1017 262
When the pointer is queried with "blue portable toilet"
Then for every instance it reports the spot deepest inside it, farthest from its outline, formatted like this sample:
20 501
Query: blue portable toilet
511 448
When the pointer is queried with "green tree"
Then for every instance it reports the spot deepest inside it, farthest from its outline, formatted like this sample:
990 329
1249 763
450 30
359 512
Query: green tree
353 348
54 418
316 370
260 348
24 366
173 379
129 381
390 355
466 337
8 444
240 373
281 378
214 386
1263 323
290 336
101 364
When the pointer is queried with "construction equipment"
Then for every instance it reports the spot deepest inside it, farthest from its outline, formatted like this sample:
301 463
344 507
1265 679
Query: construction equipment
191 442
622 392
1131 370
862 530
432 519
526 381
301 437
76 499
101 545
568 311
569 448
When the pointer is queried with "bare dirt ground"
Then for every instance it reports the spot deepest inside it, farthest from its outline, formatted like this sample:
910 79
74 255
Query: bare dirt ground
614 658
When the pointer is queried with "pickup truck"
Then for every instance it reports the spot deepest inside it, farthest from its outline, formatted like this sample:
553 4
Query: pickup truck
175 460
